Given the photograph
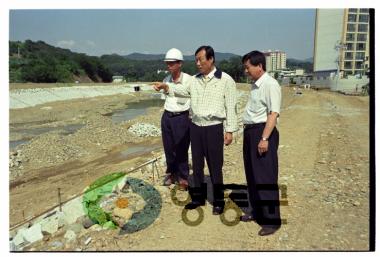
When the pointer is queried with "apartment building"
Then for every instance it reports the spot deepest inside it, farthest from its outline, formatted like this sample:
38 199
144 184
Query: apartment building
355 57
275 60
341 42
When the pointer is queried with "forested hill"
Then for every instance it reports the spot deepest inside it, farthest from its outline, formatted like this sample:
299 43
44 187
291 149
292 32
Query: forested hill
160 57
42 63
307 64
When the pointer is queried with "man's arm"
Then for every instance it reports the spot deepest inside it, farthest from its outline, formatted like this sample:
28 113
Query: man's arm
160 85
274 104
173 89
231 115
269 126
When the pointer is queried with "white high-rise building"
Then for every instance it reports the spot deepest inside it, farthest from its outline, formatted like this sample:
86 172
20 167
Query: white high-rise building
275 60
341 39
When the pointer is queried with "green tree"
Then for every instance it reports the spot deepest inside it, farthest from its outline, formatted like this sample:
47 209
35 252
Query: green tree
189 67
40 62
104 73
39 71
233 67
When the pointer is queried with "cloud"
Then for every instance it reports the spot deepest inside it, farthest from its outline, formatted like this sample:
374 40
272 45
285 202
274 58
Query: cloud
90 43
66 43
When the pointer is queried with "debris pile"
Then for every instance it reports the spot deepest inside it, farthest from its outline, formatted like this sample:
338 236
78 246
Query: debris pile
113 201
145 130
15 159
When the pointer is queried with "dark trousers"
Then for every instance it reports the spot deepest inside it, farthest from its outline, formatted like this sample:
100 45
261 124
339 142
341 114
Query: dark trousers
176 141
207 143
262 176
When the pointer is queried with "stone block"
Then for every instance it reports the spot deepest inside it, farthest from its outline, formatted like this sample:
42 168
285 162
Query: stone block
70 235
50 224
19 240
73 210
33 233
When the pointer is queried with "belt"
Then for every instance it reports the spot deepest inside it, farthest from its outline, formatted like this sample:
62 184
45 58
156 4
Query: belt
255 125
173 114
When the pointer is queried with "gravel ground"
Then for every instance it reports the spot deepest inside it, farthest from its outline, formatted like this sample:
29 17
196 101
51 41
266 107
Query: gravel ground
323 162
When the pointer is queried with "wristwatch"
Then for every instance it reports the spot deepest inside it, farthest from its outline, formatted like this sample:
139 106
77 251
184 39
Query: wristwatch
264 138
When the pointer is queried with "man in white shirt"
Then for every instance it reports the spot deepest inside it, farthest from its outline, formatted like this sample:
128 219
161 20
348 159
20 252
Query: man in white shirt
175 124
213 101
260 144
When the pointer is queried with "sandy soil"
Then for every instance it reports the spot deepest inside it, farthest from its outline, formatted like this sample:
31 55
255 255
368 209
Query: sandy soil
323 162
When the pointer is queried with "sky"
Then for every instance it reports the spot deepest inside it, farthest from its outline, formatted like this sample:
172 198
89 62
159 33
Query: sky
154 31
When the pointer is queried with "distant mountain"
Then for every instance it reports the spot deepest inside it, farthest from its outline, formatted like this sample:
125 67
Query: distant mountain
144 57
293 60
153 57
218 56
224 56
307 65
311 60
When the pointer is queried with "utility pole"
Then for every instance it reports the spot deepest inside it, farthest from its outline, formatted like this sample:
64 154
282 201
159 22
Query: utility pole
340 47
361 67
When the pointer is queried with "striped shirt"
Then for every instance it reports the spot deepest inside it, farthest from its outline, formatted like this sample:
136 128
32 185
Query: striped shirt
178 103
213 99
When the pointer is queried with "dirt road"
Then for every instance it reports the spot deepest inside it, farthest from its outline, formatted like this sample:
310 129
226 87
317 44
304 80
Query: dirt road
323 162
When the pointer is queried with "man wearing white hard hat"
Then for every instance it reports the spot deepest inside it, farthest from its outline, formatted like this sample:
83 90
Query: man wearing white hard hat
175 124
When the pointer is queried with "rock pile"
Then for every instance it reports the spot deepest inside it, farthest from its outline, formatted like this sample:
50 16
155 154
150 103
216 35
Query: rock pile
145 130
51 148
122 214
97 135
15 159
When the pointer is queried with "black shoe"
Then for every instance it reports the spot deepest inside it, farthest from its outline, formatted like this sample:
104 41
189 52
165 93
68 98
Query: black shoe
247 218
168 180
267 231
193 205
217 210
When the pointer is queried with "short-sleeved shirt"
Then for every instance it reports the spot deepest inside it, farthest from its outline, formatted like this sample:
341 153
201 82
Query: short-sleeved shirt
178 103
264 98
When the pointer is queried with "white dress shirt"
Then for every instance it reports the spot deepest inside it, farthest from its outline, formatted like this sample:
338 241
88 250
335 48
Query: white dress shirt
177 103
264 98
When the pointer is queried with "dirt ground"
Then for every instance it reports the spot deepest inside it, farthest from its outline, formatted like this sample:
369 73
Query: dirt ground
323 164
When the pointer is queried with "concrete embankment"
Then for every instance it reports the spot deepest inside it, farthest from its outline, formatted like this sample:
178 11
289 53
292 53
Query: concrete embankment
21 98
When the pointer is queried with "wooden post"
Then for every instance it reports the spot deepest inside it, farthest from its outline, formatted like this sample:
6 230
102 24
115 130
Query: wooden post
59 199
153 171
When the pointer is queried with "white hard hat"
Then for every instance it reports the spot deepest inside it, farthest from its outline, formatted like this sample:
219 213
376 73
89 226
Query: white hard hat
173 55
